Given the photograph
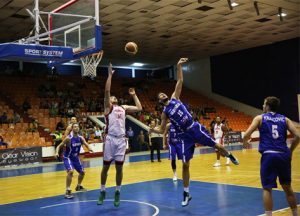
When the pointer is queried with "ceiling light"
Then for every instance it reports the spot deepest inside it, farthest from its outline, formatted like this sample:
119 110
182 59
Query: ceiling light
234 4
136 64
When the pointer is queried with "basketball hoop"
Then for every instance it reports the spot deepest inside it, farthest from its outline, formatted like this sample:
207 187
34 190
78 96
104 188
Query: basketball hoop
90 63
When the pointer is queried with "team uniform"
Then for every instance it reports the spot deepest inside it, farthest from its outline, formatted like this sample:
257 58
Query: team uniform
219 134
276 156
192 132
175 144
71 154
115 140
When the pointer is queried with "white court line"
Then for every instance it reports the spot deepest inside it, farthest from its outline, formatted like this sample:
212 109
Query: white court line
279 210
133 201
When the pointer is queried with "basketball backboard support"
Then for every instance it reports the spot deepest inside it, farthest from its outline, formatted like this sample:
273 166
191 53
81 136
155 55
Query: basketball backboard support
73 31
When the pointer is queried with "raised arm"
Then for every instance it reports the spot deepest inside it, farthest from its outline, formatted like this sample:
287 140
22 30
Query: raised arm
137 107
254 125
107 89
296 132
178 88
67 131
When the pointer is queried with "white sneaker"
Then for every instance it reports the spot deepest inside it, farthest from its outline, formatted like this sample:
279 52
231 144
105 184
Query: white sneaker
174 178
227 161
217 164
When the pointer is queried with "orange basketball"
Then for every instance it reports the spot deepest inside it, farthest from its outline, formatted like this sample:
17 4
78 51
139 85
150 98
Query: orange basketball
131 48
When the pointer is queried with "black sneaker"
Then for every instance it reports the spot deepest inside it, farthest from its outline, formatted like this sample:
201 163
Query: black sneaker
80 188
69 194
233 159
117 199
186 199
101 198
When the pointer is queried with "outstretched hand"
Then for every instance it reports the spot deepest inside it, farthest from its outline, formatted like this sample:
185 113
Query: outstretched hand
131 91
182 60
110 70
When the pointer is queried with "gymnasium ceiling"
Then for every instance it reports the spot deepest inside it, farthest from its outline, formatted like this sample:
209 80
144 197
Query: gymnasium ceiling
167 29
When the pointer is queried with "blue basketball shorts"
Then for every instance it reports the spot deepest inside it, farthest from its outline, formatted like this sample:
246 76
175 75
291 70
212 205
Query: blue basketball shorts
72 163
273 165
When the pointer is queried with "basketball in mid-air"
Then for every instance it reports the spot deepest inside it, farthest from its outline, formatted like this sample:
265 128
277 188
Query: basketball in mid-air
131 48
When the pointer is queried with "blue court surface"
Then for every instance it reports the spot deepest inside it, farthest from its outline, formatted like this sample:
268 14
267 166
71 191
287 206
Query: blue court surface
159 197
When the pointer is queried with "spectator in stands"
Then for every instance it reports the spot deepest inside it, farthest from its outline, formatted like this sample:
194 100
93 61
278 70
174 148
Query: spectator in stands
57 139
3 118
33 126
2 141
98 132
15 118
60 126
130 135
141 140
154 142
26 105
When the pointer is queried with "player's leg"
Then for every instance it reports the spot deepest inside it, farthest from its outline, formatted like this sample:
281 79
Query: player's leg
217 163
201 135
268 201
79 168
107 158
172 157
119 159
284 174
291 198
187 154
173 164
69 167
268 175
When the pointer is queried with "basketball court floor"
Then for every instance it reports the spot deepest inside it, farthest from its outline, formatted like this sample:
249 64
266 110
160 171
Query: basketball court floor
148 188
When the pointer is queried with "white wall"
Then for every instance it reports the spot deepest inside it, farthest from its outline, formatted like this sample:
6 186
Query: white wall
197 76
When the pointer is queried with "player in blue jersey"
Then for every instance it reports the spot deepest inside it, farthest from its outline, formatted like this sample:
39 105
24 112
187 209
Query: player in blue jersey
73 143
175 146
276 156
193 132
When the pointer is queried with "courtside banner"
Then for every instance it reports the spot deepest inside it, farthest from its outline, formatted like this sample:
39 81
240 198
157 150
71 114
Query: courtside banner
32 51
20 156
233 137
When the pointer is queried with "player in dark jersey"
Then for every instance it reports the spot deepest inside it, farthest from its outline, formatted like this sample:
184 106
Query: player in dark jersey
276 156
193 132
175 147
73 143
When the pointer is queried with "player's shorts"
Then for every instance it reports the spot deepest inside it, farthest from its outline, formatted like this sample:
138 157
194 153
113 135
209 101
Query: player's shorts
114 149
73 163
175 149
197 133
273 165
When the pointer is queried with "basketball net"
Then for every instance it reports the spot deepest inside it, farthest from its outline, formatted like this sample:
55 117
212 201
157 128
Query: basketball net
90 63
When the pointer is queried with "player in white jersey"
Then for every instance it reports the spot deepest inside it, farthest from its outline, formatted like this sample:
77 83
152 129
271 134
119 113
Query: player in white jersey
219 134
115 140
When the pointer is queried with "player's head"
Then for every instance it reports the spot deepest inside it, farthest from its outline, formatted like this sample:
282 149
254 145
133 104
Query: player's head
113 100
75 128
271 104
218 120
73 120
162 98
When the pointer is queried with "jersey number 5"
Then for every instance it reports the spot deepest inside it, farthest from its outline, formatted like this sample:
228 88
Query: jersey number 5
275 134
